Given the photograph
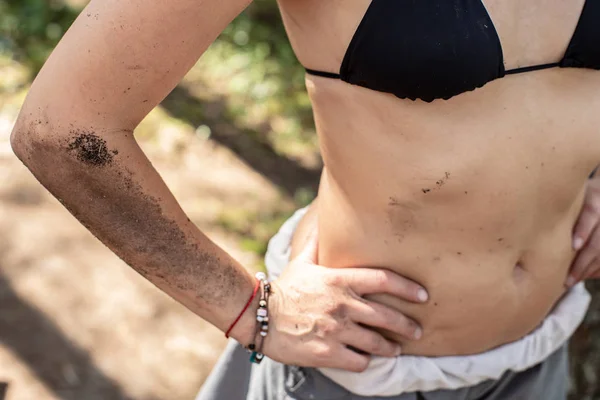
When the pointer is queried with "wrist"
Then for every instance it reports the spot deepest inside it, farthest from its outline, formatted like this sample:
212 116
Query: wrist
245 329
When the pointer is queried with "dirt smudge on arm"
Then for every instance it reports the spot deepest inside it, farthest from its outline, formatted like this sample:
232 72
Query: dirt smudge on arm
128 215
90 149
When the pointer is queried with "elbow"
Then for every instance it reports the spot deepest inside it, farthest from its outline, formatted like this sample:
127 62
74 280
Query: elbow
39 149
32 142
46 144
21 141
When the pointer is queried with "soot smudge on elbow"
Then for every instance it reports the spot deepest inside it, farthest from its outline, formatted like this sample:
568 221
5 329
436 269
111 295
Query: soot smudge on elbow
91 149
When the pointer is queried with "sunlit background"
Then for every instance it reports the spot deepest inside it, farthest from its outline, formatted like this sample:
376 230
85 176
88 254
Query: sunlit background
235 142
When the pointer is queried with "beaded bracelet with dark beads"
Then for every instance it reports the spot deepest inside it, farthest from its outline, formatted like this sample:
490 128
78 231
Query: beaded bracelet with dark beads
262 320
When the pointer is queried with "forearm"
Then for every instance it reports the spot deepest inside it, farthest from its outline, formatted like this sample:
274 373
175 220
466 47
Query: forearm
107 183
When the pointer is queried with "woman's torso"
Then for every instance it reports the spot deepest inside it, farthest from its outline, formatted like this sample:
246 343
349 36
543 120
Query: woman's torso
474 197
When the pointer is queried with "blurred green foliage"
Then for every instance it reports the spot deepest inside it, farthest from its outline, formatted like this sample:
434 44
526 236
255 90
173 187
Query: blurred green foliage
29 29
265 78
259 32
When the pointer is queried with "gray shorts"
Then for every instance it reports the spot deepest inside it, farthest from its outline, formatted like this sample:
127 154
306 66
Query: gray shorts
235 378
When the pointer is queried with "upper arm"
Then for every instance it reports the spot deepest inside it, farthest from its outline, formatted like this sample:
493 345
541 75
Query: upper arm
120 58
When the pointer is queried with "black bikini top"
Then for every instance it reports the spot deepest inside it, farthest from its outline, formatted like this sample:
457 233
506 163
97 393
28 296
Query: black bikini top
436 49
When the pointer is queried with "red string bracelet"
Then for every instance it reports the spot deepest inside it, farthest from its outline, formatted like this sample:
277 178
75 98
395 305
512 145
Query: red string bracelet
245 308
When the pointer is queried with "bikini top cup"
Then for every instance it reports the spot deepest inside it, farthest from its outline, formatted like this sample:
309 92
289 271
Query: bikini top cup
437 49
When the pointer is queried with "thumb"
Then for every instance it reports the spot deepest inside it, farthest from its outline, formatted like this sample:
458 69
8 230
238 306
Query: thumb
310 251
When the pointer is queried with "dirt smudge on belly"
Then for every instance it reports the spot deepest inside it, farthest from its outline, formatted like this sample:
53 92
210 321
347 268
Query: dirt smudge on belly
441 182
401 217
438 184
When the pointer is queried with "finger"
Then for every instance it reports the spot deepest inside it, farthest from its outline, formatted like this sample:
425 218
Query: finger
369 341
370 280
348 360
309 252
592 270
595 273
587 221
584 259
377 315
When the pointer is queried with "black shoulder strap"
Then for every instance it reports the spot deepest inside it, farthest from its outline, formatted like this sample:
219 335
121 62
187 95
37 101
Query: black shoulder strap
324 74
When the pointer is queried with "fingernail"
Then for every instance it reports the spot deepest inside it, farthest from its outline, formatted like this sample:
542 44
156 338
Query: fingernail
570 281
418 333
577 243
398 351
422 295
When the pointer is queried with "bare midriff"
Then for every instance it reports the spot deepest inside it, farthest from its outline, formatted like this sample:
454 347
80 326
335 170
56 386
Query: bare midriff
475 197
